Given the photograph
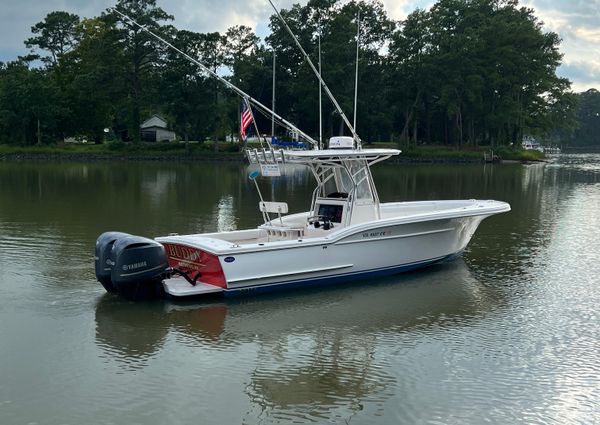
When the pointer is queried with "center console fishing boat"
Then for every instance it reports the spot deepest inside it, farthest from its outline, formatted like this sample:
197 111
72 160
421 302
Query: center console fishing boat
345 233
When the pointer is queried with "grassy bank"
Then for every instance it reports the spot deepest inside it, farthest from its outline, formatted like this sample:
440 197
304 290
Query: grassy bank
474 154
121 149
229 151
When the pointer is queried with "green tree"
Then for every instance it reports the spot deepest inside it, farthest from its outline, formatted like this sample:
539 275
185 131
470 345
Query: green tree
141 53
483 70
588 116
409 72
245 59
239 43
96 62
184 88
29 105
562 120
211 51
57 34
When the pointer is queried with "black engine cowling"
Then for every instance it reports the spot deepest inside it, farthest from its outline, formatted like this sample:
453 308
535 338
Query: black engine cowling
140 265
104 260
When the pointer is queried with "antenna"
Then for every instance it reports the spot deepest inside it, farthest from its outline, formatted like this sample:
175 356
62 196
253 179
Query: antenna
227 84
252 176
327 91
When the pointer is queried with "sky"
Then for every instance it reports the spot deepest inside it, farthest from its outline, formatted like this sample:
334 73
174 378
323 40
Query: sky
577 22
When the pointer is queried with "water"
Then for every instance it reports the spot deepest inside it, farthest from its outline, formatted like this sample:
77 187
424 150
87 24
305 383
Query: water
509 334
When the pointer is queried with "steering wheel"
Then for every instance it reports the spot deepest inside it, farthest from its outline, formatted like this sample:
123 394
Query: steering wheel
316 220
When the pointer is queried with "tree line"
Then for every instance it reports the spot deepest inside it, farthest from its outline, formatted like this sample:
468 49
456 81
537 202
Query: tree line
463 73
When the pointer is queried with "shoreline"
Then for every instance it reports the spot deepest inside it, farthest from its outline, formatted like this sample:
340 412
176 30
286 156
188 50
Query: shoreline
228 157
175 153
93 157
223 157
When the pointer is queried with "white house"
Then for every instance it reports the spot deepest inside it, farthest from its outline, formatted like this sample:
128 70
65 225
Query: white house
154 129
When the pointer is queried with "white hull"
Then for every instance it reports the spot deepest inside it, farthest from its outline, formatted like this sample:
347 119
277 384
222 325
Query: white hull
346 234
409 235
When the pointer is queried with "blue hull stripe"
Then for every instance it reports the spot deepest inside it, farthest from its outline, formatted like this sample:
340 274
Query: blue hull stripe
327 280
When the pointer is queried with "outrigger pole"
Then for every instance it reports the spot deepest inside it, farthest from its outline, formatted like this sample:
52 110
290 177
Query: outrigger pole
357 139
356 73
320 90
229 85
273 99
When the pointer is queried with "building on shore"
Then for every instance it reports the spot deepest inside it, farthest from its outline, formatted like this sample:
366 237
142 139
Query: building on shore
154 129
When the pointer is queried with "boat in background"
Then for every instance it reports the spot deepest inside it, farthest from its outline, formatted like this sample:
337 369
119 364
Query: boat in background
530 143
344 234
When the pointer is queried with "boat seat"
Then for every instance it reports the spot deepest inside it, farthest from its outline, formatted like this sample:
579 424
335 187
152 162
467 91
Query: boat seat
273 207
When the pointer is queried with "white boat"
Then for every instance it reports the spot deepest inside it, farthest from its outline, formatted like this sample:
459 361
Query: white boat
344 234
529 143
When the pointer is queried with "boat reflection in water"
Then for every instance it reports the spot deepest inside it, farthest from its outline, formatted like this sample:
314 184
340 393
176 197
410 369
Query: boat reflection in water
309 352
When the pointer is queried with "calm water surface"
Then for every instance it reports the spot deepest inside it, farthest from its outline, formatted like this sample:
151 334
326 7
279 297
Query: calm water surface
509 334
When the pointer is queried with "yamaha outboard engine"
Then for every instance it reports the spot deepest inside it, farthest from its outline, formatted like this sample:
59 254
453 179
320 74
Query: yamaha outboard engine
140 266
104 261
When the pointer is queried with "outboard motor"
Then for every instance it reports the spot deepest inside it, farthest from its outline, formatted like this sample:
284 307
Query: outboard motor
104 261
140 266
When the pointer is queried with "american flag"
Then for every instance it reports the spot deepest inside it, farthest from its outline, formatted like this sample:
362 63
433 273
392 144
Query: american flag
246 119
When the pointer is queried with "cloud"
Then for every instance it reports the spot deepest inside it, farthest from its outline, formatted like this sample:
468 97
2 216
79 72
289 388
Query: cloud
400 9
212 16
574 7
584 75
576 22
17 18
578 25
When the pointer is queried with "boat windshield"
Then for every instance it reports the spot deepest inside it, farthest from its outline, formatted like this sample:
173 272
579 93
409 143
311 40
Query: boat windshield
350 179
354 175
342 173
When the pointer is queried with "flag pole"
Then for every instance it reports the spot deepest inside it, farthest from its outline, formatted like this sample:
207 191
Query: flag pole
256 126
